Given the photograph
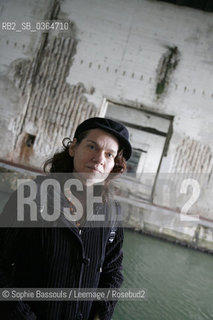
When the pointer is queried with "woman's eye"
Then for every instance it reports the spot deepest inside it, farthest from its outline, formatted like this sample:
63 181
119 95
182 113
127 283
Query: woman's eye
110 155
91 147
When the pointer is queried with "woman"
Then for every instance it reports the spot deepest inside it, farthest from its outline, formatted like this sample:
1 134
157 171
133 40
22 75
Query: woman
81 253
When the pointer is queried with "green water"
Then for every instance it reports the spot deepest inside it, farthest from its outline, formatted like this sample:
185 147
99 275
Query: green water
179 281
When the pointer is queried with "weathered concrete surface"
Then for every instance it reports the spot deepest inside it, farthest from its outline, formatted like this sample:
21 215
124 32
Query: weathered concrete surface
15 46
48 108
119 55
146 54
168 224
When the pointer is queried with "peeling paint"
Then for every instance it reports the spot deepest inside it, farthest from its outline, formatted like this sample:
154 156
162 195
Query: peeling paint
192 156
51 108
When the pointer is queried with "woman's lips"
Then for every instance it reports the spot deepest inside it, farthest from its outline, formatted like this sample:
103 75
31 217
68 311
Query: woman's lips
94 169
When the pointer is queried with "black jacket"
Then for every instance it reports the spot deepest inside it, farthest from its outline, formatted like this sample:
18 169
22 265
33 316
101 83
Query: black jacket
62 257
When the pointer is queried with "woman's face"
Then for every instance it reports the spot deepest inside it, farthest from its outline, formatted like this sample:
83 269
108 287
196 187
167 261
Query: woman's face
94 157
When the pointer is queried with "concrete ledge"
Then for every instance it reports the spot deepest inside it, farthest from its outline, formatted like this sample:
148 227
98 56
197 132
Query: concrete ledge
167 224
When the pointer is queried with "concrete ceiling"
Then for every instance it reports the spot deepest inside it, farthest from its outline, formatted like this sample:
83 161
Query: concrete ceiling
206 5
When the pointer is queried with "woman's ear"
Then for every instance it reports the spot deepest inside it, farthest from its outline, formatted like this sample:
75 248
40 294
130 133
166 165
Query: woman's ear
72 147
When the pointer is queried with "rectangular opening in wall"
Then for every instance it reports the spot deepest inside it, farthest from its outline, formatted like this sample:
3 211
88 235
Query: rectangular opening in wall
135 163
149 134
30 139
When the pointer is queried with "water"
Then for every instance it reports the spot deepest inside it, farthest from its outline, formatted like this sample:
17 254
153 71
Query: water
179 281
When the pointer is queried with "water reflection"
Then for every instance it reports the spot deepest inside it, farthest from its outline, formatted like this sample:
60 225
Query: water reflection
179 281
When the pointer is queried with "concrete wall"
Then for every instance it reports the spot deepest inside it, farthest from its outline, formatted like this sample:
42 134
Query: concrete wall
42 105
16 47
147 54
120 53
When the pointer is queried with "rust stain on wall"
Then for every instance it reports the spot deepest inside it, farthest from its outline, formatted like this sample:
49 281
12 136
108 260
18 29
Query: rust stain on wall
26 148
52 108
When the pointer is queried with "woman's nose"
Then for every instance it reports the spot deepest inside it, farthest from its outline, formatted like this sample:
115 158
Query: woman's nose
99 157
